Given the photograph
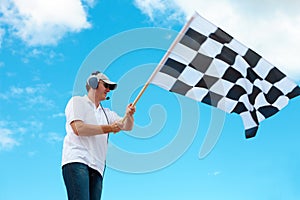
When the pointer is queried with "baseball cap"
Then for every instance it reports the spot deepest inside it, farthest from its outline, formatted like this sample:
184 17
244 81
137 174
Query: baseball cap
100 76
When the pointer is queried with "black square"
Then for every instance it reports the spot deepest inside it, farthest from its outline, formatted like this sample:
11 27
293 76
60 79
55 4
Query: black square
294 93
227 55
273 94
274 75
173 68
239 108
193 39
236 92
268 111
232 75
180 87
221 36
251 58
201 62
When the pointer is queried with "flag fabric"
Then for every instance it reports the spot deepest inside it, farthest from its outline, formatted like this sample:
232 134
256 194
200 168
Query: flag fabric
210 66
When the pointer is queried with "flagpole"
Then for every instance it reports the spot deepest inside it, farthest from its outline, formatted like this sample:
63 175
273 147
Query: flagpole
163 60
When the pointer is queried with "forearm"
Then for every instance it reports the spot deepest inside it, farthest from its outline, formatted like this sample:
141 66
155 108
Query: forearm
127 123
82 129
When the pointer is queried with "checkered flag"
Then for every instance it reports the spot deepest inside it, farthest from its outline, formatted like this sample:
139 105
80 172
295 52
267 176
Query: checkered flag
208 65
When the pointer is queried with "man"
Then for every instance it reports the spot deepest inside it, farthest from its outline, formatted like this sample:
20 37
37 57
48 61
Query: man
85 145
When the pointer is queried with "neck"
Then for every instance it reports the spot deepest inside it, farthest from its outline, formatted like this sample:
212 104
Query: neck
92 97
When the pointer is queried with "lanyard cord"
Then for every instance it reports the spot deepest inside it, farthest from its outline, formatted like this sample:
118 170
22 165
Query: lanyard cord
107 133
106 119
104 113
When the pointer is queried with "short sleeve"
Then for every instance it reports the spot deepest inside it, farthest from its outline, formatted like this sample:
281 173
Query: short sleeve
75 109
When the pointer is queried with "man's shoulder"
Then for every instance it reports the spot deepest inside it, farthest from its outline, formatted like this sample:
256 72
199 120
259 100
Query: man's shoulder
79 98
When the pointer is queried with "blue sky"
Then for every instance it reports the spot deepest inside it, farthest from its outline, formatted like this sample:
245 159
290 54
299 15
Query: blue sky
47 49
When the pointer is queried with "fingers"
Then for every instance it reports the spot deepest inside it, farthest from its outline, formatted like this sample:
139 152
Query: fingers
115 128
130 109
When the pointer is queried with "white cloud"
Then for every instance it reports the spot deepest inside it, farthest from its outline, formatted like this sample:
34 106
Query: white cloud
272 29
2 33
160 11
34 125
37 89
32 96
53 137
16 91
7 142
151 7
12 133
58 115
39 100
215 173
43 22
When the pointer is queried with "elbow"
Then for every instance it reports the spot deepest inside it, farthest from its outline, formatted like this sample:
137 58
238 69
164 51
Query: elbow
129 127
127 124
76 127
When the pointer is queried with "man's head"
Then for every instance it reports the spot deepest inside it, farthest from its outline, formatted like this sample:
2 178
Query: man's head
96 77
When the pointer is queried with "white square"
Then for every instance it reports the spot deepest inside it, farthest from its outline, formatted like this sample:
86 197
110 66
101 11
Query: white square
237 47
227 105
213 70
211 48
163 80
190 76
183 53
285 85
197 93
219 66
281 102
248 120
202 26
221 87
263 68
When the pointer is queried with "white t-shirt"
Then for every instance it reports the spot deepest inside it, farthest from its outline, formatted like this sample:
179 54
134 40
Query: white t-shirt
89 150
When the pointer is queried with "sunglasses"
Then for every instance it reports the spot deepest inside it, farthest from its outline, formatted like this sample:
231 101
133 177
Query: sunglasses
109 86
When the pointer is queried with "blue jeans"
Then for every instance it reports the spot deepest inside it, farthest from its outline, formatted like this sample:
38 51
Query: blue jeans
82 182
